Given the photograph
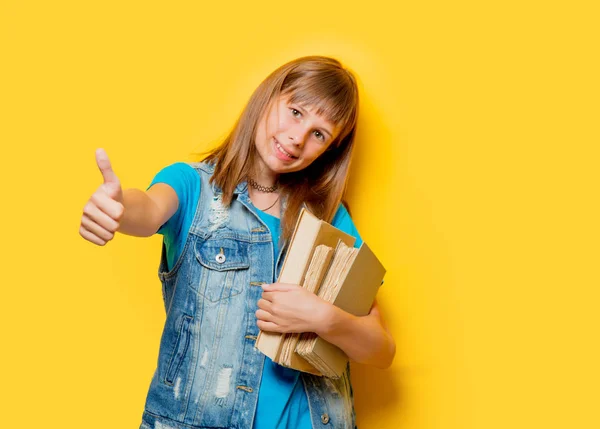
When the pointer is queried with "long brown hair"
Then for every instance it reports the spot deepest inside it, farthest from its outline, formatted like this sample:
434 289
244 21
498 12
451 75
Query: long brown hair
323 84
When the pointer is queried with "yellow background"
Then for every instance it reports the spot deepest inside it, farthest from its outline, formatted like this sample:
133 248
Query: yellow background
475 180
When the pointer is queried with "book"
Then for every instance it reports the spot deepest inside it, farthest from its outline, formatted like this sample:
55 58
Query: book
312 280
322 259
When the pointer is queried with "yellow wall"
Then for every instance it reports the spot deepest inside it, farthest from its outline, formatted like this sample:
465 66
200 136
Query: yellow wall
475 180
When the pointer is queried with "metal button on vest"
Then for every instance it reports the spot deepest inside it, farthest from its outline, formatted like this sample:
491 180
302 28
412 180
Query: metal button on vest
220 258
325 418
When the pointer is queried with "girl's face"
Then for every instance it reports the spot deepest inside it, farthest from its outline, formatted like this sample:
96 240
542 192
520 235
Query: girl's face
290 137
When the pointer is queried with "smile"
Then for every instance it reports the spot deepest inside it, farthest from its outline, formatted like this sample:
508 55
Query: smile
283 151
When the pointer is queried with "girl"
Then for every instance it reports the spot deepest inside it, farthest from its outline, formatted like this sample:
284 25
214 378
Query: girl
226 223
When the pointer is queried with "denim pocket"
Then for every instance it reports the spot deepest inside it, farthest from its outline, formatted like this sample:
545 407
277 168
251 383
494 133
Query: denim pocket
225 264
180 349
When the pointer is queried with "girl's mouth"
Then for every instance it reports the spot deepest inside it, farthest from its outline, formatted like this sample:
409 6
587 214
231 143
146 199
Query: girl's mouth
281 153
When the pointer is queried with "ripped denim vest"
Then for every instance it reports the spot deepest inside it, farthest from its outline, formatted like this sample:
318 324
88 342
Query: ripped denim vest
209 371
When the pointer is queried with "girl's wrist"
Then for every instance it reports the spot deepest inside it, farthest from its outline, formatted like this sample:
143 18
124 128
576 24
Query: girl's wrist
330 318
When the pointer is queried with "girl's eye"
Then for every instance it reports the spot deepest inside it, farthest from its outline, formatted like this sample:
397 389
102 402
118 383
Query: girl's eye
296 112
319 135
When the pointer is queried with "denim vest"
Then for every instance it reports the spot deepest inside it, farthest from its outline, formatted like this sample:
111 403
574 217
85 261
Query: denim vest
209 371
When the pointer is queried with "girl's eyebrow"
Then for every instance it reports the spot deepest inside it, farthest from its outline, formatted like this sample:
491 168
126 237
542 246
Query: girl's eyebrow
304 109
327 131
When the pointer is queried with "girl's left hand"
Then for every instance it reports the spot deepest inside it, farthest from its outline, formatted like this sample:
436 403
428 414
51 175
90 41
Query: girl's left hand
287 308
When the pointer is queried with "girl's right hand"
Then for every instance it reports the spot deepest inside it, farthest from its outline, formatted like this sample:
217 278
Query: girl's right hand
103 212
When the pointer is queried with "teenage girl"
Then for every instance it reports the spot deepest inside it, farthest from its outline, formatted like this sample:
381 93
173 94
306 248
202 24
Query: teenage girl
226 222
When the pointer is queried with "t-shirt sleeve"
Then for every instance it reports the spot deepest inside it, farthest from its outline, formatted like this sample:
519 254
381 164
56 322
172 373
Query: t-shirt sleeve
343 221
184 180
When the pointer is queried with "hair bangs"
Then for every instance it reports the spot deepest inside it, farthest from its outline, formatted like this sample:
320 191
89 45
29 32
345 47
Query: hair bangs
332 96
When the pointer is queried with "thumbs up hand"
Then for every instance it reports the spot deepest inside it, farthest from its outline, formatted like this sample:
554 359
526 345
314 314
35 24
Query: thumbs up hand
104 210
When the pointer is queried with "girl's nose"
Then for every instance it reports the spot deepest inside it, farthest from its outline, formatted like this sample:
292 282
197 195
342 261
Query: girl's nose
297 141
297 137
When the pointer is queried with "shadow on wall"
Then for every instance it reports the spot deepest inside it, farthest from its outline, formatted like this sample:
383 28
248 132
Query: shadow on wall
395 215
376 393
374 161
371 182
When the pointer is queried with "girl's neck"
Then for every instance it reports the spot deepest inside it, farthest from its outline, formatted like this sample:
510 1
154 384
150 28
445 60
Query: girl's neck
264 176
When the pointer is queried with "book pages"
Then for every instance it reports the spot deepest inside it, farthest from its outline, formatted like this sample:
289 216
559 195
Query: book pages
314 276
307 229
342 261
355 295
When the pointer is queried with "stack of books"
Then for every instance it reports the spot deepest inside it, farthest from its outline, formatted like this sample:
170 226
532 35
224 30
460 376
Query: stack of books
322 259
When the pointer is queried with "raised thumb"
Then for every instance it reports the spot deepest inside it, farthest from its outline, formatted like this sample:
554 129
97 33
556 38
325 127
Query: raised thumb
109 176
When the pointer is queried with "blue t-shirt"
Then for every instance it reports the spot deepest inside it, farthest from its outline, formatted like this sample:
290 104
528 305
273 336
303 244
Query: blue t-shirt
282 401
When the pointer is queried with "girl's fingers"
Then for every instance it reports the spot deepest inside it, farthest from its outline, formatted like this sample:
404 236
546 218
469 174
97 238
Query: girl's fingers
264 315
91 237
281 287
268 296
264 304
105 168
96 229
106 204
99 217
268 326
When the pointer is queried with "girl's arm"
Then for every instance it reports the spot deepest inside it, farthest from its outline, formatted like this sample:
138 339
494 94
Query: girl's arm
364 339
146 211
291 308
133 212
